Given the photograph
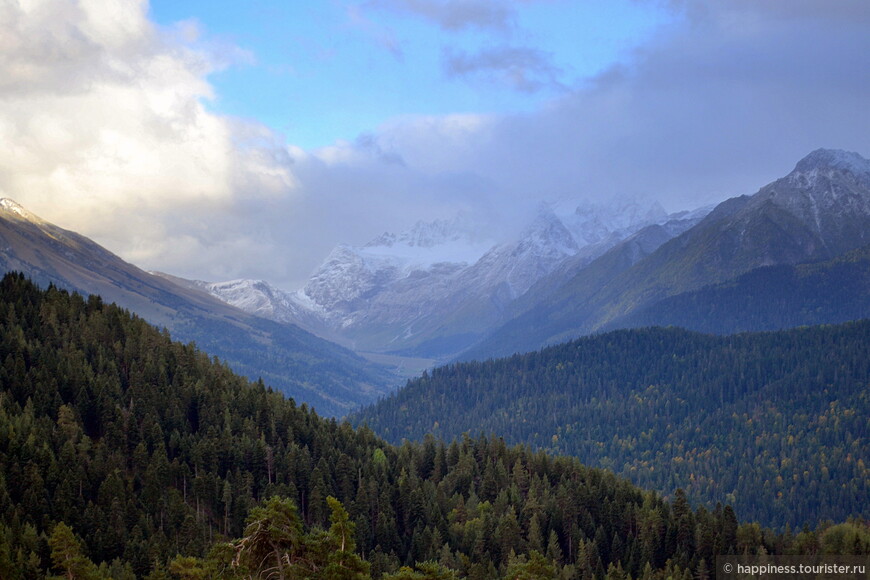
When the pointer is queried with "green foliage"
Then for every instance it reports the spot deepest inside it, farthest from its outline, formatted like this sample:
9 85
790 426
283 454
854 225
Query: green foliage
846 538
275 546
769 298
535 567
66 554
158 456
188 568
273 540
422 571
775 423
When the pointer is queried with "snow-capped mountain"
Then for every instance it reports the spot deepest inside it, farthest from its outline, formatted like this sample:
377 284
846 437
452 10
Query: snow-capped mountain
594 223
260 298
815 214
438 287
828 194
351 276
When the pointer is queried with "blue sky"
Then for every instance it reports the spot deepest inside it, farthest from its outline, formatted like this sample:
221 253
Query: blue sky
224 140
322 71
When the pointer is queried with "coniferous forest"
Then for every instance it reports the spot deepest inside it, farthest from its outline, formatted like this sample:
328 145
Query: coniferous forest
777 424
126 455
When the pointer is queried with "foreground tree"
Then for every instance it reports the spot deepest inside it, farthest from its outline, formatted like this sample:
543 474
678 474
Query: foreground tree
275 546
67 557
273 540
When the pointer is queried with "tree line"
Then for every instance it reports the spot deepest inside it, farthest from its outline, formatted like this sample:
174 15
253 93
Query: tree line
776 424
124 454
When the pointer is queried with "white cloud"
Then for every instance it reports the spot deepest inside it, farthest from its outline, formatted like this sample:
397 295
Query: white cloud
103 129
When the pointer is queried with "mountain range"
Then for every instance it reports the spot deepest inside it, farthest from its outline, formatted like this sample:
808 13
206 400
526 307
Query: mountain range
439 288
308 368
441 291
126 455
794 253
750 417
817 213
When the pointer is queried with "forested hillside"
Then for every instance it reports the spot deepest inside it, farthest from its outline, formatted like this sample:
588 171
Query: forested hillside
777 424
314 370
769 298
122 448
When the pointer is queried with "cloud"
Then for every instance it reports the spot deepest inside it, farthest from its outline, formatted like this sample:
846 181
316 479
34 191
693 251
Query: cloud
105 129
526 70
718 104
454 15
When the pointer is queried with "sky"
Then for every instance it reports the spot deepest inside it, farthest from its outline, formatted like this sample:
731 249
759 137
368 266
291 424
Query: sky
221 140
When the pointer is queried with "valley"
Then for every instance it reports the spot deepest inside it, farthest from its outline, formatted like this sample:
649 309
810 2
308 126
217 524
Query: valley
126 455
434 290
644 430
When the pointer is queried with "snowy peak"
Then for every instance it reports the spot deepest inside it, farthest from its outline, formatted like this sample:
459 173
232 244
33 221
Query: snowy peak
260 298
828 169
12 209
426 244
830 159
440 284
826 189
343 277
424 235
593 223
816 212
254 296
548 232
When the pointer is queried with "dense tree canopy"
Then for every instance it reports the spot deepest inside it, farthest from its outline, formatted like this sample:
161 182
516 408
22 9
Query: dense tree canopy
125 455
776 424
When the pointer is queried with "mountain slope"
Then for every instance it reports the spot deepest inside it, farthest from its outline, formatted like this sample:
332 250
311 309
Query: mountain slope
769 298
817 212
308 368
564 299
775 423
148 450
440 287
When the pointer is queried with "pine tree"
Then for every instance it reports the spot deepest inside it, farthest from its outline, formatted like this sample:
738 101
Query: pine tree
67 557
273 538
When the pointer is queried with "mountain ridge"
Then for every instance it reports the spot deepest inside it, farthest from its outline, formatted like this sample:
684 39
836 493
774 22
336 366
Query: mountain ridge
437 288
255 346
817 212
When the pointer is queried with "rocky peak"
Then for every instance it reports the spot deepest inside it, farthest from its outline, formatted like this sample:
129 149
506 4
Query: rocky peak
12 209
829 170
425 234
829 159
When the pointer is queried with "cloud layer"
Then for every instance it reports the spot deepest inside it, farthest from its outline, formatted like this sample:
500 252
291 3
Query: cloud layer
454 14
105 129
